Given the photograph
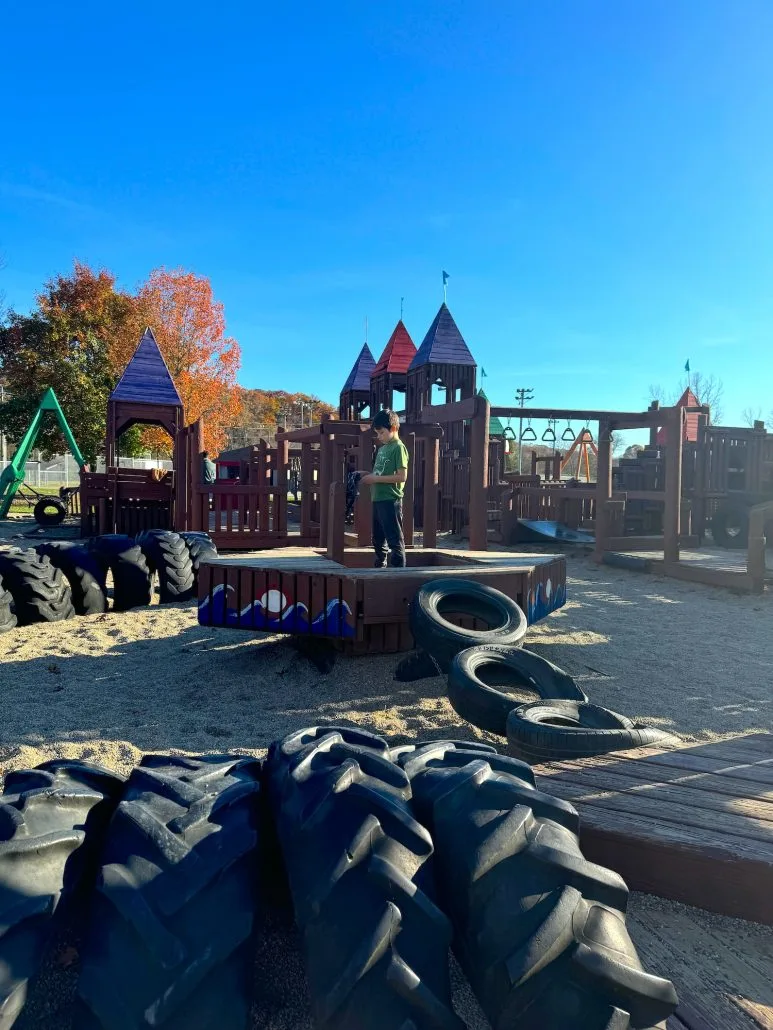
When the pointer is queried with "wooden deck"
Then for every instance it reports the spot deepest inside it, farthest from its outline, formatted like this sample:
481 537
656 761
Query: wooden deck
711 565
693 823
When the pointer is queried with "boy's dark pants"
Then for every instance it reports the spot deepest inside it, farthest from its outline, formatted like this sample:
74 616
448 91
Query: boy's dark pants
388 529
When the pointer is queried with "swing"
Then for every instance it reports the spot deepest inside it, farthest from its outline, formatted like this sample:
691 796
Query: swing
568 433
508 435
528 433
549 436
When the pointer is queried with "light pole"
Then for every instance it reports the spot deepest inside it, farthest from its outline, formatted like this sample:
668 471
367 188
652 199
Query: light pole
522 394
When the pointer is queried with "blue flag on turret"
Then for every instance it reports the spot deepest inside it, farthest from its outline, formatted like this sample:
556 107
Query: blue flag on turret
445 278
687 365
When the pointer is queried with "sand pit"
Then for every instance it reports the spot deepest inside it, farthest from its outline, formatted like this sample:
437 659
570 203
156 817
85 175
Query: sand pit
110 688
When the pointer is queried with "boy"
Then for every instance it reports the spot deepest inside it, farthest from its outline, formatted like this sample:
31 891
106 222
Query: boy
387 483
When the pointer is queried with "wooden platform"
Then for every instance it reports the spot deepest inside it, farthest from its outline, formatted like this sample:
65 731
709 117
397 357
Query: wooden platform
302 592
693 823
713 566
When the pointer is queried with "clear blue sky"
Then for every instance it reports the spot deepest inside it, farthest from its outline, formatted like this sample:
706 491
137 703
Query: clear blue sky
596 177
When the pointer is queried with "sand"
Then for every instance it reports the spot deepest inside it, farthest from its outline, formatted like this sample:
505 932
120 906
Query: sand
693 659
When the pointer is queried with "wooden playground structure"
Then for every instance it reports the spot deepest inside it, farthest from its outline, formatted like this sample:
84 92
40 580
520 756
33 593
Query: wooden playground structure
458 482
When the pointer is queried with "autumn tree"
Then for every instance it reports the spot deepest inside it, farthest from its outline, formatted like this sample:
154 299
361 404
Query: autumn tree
275 407
189 326
65 344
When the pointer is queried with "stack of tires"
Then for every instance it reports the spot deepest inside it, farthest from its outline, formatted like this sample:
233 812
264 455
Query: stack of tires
393 856
59 578
485 666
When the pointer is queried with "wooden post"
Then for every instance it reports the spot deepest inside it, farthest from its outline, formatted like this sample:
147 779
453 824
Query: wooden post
408 502
306 489
431 481
673 505
325 480
603 488
654 429
363 512
335 522
755 555
478 516
282 469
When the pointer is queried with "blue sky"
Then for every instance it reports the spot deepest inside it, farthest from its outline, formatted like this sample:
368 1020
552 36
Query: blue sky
596 177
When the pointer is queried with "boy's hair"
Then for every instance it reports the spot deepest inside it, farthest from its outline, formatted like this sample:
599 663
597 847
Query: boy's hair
386 419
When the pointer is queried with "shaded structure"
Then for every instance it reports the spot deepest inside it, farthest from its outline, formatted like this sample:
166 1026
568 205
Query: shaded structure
442 362
388 378
355 396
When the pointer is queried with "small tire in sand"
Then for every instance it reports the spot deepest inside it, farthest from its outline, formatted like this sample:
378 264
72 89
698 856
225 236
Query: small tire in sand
167 555
131 575
359 867
539 931
176 899
52 823
554 730
442 639
83 572
476 673
50 511
39 591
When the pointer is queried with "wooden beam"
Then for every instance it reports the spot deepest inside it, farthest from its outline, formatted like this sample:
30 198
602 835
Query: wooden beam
479 437
603 489
363 511
431 485
335 522
673 505
617 419
455 412
410 489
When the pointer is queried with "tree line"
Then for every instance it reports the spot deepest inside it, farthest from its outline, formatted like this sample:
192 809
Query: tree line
80 336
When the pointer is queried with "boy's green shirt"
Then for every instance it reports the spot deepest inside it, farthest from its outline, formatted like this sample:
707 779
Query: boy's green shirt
390 458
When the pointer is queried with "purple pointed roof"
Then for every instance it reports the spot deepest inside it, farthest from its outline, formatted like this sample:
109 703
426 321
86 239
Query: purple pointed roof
443 344
146 379
359 377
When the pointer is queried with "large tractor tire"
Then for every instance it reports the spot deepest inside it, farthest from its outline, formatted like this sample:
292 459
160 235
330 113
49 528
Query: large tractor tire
7 614
539 931
434 633
83 572
730 526
131 575
39 591
200 546
167 555
176 899
52 823
359 867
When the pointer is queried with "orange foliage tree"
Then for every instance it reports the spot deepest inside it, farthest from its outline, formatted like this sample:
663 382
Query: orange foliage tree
189 326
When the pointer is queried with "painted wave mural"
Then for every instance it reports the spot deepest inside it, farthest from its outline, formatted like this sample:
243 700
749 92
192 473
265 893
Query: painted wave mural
544 599
273 614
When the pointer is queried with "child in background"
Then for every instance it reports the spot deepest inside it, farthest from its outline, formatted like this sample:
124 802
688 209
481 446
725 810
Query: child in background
387 485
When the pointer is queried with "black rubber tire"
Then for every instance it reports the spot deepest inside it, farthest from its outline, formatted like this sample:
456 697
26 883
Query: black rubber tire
539 931
444 640
176 899
167 555
7 615
486 707
132 587
200 546
83 572
545 731
39 591
730 514
359 867
52 824
43 514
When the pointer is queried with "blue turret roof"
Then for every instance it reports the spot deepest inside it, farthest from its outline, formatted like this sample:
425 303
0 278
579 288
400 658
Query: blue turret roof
359 377
146 379
443 344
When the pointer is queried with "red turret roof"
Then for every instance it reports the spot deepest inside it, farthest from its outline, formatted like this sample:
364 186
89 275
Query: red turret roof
690 431
398 353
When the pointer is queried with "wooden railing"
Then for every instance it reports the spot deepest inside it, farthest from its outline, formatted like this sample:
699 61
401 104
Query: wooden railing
755 555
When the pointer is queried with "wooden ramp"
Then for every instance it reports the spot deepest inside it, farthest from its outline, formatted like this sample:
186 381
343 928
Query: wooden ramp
693 823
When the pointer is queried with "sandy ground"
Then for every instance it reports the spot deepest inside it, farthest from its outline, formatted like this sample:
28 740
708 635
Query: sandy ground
110 688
